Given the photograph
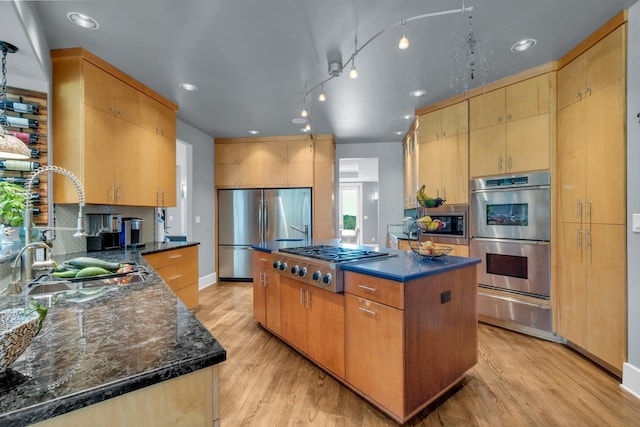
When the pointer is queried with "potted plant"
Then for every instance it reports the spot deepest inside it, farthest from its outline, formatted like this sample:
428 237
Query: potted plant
12 203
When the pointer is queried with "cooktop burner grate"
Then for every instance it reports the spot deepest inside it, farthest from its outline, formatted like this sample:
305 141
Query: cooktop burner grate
333 253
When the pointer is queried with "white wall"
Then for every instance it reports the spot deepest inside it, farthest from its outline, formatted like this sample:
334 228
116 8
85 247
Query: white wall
390 197
631 370
201 198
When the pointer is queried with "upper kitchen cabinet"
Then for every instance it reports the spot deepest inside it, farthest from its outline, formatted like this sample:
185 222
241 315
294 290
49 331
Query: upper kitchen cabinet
98 119
270 162
511 127
157 152
598 67
324 183
443 153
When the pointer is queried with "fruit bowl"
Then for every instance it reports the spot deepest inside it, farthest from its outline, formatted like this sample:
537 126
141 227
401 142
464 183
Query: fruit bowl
431 203
431 250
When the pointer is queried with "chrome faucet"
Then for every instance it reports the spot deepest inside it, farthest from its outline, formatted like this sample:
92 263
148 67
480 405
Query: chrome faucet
14 287
27 255
304 231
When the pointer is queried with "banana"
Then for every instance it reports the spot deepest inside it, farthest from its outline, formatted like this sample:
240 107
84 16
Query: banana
420 195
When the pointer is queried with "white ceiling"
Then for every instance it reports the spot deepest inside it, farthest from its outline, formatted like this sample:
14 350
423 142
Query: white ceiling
252 59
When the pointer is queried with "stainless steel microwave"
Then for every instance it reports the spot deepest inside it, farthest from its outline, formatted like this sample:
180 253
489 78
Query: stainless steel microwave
454 218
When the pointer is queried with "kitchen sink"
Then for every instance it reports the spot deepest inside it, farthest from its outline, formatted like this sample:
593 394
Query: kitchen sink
54 289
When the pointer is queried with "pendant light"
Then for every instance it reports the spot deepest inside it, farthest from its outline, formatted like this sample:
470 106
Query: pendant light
10 146
322 97
404 41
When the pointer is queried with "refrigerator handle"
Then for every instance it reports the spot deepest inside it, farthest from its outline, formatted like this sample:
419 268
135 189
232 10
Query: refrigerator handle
265 222
260 223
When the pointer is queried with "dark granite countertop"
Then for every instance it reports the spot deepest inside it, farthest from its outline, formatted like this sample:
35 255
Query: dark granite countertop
401 266
125 339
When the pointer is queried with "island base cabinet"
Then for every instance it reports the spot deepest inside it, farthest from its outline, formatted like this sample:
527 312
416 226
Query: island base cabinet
189 400
374 363
179 269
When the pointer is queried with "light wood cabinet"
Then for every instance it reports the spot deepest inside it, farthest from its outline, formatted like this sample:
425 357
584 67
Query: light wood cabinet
443 165
312 320
179 269
97 122
266 292
188 400
324 188
592 201
510 128
410 169
402 321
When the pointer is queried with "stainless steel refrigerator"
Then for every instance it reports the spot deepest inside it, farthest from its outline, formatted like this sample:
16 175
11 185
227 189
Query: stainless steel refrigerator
247 217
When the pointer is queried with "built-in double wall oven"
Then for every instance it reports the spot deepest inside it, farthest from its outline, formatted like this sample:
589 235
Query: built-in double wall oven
510 232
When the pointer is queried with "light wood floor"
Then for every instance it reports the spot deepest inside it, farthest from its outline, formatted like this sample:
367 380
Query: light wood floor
518 381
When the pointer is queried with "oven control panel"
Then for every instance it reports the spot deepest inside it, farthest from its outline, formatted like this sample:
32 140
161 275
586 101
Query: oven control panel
316 273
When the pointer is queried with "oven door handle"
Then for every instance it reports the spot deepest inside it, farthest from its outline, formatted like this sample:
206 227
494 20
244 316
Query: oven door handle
522 242
505 298
501 190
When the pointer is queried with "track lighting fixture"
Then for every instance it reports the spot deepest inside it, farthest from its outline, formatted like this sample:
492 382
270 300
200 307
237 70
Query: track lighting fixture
353 74
404 41
336 67
322 97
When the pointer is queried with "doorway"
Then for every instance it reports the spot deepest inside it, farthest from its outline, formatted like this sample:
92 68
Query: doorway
358 201
176 223
350 208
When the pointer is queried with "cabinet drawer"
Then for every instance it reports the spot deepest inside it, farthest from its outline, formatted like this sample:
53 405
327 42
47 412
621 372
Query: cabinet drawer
162 259
376 289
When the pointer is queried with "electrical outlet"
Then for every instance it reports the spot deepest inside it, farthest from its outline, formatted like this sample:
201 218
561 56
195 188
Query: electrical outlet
445 297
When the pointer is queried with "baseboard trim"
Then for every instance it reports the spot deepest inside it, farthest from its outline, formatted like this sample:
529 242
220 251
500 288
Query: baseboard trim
206 281
631 379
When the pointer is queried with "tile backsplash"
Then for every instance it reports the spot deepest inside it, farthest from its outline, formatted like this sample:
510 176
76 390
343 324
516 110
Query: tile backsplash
65 216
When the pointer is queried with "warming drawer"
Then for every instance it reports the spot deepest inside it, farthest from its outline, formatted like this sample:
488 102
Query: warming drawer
511 309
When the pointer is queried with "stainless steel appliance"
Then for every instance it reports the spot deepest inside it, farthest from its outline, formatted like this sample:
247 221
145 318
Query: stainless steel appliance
131 233
247 217
103 231
510 233
454 218
320 265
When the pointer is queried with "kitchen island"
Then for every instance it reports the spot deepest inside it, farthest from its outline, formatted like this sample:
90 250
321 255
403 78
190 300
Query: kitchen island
401 333
132 354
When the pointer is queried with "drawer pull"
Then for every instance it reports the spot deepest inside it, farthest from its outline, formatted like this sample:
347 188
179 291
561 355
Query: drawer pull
367 288
175 256
366 310
175 277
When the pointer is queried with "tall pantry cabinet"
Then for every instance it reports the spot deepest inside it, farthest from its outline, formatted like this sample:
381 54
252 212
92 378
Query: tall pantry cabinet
592 200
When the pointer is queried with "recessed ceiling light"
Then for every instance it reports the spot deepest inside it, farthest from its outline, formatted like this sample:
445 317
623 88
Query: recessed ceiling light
188 86
254 132
399 132
407 117
82 20
298 121
418 92
523 45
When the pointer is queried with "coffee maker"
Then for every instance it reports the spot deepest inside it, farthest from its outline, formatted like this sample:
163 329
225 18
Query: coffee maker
104 231
131 233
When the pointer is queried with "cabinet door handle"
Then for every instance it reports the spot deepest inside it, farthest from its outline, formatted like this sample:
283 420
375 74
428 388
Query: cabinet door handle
578 94
499 119
308 299
172 278
500 162
444 193
113 191
579 238
509 162
119 193
366 310
578 208
587 90
175 256
587 208
367 288
300 296
509 116
587 239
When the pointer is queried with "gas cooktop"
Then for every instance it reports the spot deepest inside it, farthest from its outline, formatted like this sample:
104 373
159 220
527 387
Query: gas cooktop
333 253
